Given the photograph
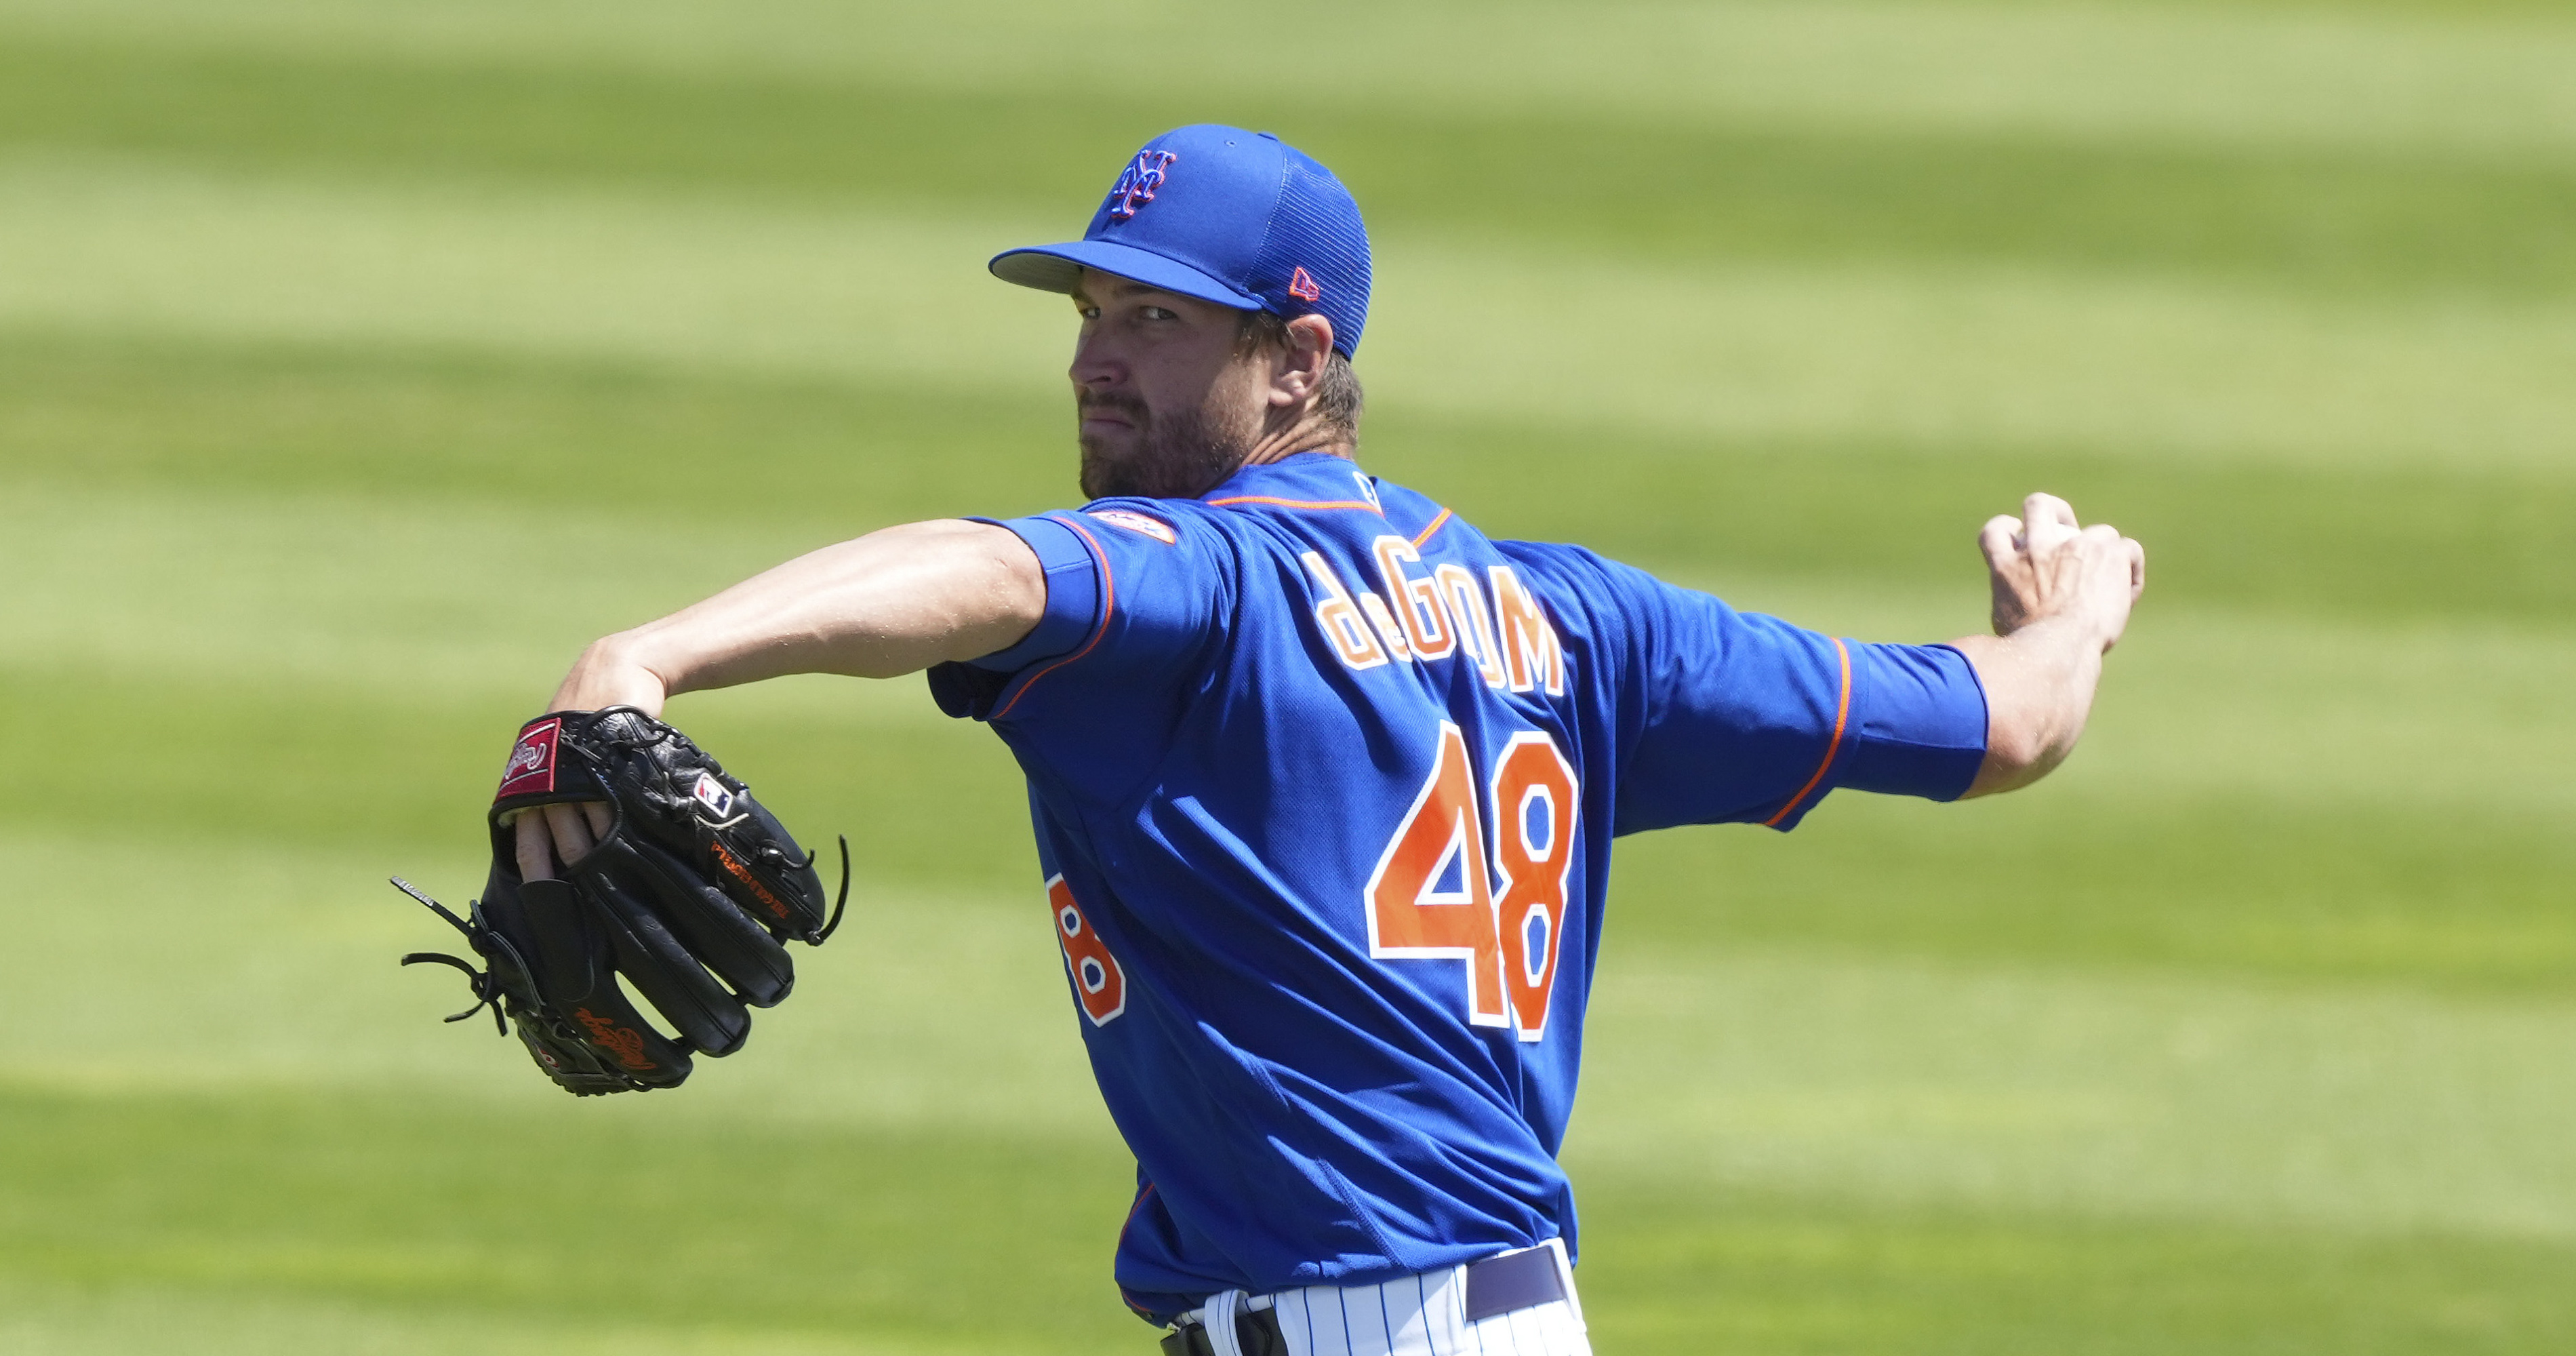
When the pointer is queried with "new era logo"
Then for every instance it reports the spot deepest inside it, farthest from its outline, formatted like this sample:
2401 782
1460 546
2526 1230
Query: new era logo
1137 184
1302 286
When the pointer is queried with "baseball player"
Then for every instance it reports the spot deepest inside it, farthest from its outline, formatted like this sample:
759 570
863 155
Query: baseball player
1325 780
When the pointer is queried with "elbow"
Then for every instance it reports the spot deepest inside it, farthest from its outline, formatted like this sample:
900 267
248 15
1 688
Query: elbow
2018 753
2011 763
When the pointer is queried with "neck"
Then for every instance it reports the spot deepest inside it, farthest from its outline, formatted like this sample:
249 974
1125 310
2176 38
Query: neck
1286 437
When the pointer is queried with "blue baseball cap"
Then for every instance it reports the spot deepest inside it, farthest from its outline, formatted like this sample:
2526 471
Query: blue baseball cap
1239 218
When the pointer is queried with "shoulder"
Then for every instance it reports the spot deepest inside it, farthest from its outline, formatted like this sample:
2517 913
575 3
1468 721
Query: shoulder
1189 525
1557 559
1577 579
1173 539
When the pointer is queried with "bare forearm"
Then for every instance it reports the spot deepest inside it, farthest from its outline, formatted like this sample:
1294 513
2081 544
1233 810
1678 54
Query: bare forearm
890 603
2039 684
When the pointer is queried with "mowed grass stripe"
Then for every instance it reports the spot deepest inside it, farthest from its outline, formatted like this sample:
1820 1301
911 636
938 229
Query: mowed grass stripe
267 967
826 1238
1945 357
405 771
2314 891
327 1224
131 440
1796 1276
2482 83
2178 1097
1912 357
2343 543
522 272
53 1319
445 603
1590 180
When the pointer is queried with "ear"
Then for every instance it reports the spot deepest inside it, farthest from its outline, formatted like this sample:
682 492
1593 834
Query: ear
1297 369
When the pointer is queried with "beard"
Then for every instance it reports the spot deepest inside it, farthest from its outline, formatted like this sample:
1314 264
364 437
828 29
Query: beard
1181 455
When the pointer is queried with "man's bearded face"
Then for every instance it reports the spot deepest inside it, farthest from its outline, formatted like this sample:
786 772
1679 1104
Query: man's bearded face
1179 454
1167 400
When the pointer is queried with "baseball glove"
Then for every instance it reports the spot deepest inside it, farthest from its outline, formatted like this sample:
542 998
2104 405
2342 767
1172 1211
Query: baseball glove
688 898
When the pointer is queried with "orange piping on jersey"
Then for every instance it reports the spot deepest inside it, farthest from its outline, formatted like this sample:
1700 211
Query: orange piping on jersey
1142 1196
1301 503
1436 525
1841 715
1108 597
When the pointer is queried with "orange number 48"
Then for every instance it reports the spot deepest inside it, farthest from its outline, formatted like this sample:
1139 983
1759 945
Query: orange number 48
1438 894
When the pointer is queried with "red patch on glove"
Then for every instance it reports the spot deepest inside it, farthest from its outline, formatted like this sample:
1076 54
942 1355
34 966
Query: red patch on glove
531 769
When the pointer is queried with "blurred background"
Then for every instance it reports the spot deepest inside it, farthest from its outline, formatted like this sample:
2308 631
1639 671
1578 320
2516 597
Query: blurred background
361 361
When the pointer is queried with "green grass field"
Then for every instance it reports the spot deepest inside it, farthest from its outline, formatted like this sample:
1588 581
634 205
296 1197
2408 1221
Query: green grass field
359 362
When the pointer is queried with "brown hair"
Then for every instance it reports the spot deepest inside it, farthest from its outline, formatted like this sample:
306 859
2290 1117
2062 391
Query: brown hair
1338 398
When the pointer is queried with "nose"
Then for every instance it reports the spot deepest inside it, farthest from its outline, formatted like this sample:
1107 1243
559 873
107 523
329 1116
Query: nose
1097 364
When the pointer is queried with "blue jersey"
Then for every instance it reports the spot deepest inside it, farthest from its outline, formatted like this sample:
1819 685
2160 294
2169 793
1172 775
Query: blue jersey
1324 783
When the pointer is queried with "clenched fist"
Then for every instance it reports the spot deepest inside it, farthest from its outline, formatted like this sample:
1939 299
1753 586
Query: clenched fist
2047 567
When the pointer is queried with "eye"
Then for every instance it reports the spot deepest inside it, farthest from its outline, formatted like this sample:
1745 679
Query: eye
1158 313
1087 312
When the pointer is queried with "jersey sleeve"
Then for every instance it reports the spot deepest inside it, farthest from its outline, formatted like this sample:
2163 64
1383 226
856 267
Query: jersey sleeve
1735 717
1133 592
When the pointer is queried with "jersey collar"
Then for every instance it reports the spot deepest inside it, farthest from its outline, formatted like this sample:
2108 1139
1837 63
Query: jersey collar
1316 478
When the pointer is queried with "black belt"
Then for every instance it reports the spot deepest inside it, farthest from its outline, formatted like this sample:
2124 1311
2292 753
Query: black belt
1497 1285
1257 1332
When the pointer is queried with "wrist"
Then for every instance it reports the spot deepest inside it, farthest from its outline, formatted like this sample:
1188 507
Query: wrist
613 671
2073 630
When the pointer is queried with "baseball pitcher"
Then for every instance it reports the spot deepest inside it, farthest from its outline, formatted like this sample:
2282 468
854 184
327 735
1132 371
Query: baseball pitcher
1324 780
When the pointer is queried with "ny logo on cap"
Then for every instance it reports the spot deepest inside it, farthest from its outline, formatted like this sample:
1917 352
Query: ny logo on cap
1137 183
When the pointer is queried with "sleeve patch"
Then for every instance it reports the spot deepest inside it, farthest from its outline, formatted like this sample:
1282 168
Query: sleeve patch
1139 523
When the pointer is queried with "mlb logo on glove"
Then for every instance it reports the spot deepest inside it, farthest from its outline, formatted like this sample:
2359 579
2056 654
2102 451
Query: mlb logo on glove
712 794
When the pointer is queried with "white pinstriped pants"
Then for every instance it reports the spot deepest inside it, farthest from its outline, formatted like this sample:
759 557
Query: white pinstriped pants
1422 1315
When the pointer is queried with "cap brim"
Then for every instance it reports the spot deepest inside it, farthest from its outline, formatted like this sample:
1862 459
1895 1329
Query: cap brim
1058 268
